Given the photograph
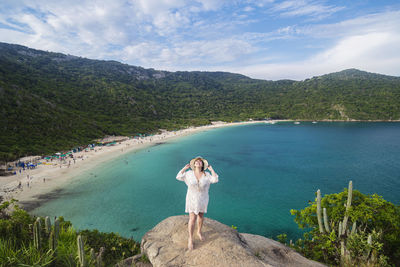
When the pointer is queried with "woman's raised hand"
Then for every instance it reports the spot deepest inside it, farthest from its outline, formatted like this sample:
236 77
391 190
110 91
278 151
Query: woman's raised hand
187 166
210 168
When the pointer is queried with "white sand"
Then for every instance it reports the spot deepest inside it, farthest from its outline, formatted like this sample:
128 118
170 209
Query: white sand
56 177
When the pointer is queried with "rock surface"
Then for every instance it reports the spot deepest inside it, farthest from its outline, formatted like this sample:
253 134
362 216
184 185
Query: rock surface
166 245
133 261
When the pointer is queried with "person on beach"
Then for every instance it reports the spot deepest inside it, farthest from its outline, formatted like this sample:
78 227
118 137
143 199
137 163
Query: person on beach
198 182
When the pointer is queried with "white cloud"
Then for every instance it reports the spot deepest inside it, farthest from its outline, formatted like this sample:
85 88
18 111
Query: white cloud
374 52
212 4
384 21
248 9
185 55
84 29
304 8
368 43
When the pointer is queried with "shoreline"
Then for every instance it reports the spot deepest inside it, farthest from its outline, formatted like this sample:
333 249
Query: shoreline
46 182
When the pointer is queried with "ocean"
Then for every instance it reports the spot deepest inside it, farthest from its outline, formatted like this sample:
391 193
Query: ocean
265 171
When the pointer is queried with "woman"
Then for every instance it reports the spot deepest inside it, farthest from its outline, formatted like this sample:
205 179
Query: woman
198 182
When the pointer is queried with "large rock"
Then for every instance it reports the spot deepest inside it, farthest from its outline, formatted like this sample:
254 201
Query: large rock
166 245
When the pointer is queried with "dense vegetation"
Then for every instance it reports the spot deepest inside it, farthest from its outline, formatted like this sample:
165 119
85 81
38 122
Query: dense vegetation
349 229
19 245
51 101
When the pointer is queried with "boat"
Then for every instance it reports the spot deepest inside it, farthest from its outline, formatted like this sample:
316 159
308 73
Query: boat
296 122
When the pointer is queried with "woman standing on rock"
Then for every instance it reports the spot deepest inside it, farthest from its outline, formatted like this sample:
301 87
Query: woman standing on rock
198 182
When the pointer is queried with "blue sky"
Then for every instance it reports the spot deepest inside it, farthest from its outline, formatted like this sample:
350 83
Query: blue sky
263 39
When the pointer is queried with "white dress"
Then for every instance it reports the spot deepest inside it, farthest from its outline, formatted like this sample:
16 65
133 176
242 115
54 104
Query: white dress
197 192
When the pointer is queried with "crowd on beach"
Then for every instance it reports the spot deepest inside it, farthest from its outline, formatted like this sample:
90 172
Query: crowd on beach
23 168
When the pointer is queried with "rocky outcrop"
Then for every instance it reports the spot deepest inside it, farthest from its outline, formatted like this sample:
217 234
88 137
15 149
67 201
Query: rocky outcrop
166 245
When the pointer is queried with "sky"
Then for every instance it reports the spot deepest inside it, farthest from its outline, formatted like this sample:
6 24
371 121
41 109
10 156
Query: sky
263 39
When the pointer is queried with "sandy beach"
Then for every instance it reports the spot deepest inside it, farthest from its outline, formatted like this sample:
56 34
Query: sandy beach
49 178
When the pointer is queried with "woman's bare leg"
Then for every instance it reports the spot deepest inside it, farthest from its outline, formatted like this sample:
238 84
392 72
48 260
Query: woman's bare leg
200 225
192 219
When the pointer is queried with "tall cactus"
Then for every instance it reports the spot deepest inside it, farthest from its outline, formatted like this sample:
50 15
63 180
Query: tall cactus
353 229
340 229
52 241
369 249
57 228
92 254
326 221
36 233
346 216
47 225
99 259
343 230
321 228
81 252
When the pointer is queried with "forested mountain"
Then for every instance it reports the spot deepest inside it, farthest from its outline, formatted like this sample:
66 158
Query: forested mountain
51 101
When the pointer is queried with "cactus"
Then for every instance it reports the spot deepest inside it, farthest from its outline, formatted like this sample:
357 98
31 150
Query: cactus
57 228
36 233
346 216
321 229
342 249
92 254
353 229
326 221
343 231
81 252
52 241
369 249
99 259
48 225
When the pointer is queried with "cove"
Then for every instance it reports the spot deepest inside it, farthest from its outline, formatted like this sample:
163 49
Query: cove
265 170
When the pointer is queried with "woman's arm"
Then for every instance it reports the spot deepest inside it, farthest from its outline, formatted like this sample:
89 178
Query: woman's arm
181 174
214 176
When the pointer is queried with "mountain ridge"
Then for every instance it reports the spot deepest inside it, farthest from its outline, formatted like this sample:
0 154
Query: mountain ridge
52 101
66 57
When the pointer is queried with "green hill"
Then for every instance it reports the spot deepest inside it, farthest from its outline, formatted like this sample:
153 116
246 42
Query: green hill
51 101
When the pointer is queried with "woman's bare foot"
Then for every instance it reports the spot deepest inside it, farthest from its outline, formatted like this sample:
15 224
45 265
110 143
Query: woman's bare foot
190 244
200 236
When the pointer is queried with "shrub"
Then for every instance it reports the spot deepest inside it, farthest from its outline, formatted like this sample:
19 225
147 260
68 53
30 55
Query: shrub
17 246
376 232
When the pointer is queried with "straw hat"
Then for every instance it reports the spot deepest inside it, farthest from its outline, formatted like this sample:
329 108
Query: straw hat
205 163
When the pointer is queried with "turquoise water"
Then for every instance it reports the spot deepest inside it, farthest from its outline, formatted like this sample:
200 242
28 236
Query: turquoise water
265 170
